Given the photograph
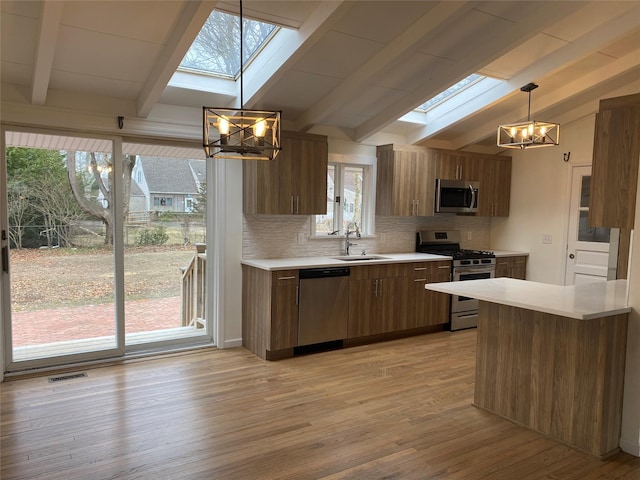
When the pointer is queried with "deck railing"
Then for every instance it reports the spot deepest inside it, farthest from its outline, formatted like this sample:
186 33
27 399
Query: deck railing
194 289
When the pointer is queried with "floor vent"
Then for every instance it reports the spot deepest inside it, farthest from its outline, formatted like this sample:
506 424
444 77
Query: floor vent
69 376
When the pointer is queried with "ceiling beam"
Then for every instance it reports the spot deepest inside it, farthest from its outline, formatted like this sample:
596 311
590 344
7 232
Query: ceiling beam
279 56
589 81
193 17
45 50
478 54
569 54
391 54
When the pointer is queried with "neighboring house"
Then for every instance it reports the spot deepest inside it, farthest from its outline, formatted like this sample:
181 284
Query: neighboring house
137 200
166 184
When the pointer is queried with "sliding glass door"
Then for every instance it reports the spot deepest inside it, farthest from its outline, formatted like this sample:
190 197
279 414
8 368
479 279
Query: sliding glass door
61 253
164 239
106 248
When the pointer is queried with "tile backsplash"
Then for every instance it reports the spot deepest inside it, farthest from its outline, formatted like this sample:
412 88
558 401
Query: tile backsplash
285 236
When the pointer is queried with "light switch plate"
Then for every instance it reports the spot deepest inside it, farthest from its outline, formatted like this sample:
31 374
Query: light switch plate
547 239
301 239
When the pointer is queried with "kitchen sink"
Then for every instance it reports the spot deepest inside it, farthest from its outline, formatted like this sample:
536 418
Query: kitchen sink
358 258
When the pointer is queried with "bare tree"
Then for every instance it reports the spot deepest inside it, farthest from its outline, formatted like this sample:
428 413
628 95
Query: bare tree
217 46
18 211
60 212
103 175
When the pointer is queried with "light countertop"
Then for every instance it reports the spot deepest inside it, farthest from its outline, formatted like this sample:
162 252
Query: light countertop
584 302
317 262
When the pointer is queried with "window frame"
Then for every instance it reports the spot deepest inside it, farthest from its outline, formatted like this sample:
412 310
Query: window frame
340 162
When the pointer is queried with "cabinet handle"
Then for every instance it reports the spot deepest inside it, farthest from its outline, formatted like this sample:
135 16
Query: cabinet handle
444 266
418 269
297 203
291 196
420 280
287 278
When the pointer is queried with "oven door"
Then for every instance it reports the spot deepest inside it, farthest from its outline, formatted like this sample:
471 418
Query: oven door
461 274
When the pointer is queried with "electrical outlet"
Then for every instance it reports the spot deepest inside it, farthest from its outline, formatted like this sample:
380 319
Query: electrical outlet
301 239
547 239
383 238
469 235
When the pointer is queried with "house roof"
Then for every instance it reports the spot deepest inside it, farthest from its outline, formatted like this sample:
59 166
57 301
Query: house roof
356 69
169 175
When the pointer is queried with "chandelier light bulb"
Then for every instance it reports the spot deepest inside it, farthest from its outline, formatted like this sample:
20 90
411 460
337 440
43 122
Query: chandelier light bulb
260 128
223 126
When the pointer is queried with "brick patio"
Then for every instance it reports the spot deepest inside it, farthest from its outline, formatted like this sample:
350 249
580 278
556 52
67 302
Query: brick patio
73 323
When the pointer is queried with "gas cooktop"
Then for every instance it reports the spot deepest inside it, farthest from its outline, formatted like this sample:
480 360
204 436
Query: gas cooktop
447 242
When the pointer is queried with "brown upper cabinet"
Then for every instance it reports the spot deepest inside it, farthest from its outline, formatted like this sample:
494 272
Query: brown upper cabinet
453 165
404 181
492 171
293 183
616 154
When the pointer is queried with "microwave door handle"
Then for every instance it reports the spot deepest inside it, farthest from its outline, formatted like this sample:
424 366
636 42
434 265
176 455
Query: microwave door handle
473 196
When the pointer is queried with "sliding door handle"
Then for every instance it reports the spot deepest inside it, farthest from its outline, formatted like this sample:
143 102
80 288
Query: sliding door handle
5 259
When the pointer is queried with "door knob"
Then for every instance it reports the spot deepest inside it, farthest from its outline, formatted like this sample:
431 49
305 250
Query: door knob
572 256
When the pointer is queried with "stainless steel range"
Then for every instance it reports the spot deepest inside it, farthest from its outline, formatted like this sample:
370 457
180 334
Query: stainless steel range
467 265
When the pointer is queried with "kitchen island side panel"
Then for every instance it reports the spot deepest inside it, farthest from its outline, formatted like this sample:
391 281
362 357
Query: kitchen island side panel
560 376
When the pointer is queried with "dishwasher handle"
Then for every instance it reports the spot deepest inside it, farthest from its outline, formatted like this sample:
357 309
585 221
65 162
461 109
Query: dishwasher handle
324 272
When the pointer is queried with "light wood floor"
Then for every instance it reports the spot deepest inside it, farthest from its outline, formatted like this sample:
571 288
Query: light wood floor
395 410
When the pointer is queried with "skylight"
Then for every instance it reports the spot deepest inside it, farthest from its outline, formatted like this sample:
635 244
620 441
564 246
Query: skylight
216 49
450 92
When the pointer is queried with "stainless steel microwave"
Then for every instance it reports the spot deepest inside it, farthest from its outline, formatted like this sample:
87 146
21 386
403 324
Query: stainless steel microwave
456 196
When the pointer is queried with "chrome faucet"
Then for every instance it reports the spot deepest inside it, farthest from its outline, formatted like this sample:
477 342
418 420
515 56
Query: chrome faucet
348 232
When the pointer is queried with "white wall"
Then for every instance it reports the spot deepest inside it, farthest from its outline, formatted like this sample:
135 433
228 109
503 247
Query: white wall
630 441
540 195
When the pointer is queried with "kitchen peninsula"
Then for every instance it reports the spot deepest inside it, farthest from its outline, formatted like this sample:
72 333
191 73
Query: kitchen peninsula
552 357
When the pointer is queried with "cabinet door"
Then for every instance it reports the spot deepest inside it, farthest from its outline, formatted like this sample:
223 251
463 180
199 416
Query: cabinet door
512 267
447 165
404 181
435 306
363 307
495 187
503 267
424 179
519 268
616 155
294 183
393 314
284 310
310 177
453 165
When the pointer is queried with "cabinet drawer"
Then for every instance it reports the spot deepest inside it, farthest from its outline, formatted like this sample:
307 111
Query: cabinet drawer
284 277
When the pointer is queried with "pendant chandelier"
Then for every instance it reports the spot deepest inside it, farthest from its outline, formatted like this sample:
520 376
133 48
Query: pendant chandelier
239 133
528 134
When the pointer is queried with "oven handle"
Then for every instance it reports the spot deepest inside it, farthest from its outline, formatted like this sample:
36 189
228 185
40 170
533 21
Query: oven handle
479 269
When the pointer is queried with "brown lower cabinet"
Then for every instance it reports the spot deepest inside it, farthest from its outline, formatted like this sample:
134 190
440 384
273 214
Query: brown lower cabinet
514 267
383 299
431 308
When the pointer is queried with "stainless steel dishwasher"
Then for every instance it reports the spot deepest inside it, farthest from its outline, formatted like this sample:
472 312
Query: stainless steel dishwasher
324 305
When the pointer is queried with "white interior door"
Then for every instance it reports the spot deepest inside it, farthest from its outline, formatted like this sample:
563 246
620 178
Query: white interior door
587 248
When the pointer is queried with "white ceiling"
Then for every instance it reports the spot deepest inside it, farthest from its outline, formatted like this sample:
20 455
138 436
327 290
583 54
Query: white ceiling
355 66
